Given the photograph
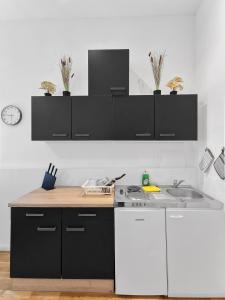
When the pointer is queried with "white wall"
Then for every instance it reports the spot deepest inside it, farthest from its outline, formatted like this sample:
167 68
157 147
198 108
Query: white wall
30 52
210 64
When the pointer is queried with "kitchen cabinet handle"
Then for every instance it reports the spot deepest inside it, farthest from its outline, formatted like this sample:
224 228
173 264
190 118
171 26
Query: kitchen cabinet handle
87 215
167 134
139 219
34 215
82 134
75 229
144 134
176 216
46 229
59 134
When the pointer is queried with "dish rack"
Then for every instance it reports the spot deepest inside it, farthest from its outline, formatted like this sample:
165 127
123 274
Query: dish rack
90 188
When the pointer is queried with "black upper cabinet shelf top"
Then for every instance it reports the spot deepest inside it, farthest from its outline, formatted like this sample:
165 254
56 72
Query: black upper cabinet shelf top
108 72
144 117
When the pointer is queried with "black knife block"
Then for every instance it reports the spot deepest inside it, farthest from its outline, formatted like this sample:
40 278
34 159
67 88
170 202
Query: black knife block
48 182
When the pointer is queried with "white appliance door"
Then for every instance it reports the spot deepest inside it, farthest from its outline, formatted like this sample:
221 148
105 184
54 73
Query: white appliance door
140 252
196 253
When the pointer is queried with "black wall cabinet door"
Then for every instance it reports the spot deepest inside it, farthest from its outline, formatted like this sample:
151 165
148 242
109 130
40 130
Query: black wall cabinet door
108 69
35 243
88 243
176 117
51 118
134 118
92 118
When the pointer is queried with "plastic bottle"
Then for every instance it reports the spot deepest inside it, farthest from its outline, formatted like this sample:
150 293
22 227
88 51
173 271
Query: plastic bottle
145 179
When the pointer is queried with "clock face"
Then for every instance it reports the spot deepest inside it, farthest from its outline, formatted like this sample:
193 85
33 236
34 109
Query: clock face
11 115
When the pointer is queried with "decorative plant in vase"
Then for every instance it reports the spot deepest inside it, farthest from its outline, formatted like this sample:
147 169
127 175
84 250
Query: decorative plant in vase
157 62
49 87
66 69
175 84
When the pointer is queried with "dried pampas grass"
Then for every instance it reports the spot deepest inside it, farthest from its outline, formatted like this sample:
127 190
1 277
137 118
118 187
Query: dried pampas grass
157 62
66 69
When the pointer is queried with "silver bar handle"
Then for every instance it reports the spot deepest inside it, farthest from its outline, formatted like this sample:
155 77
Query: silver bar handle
143 134
75 229
34 215
82 134
167 134
59 134
176 216
139 219
46 229
87 215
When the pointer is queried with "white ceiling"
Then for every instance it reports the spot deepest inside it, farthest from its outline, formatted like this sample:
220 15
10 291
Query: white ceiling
38 9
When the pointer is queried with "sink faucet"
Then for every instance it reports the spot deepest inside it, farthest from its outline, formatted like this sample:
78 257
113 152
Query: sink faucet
176 183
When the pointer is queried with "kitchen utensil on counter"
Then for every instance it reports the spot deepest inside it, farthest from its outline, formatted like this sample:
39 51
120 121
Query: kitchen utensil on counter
206 161
219 164
92 187
100 186
49 178
115 179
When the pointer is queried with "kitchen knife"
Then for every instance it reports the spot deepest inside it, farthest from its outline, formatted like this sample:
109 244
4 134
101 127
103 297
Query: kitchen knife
55 172
52 170
114 180
49 167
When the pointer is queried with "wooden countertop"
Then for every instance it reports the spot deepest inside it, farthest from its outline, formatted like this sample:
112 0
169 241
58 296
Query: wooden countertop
62 197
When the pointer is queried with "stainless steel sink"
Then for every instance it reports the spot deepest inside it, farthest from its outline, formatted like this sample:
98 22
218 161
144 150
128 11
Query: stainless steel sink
184 193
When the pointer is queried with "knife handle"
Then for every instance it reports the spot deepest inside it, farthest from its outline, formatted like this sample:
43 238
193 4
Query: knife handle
55 172
49 167
52 169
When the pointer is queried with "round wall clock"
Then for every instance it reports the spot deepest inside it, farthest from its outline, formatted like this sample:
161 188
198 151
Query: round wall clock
11 115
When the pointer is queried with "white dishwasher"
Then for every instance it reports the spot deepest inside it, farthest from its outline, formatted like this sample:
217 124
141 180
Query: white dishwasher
196 252
140 251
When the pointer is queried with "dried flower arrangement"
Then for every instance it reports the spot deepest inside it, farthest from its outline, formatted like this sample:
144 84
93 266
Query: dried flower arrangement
66 68
175 84
49 87
157 62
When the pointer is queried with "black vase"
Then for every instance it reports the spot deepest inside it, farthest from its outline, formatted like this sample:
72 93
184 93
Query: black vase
157 92
66 93
173 93
48 94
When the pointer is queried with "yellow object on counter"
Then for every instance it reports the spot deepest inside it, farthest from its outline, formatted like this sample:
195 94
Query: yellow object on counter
151 188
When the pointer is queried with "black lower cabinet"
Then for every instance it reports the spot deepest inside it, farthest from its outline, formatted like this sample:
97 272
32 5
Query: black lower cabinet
88 243
35 243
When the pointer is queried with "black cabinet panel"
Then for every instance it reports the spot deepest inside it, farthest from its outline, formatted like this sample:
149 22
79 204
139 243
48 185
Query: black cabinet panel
51 118
176 117
35 243
134 118
108 69
88 243
92 117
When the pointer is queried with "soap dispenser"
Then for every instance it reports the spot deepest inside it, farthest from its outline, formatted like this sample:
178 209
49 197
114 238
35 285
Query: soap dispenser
145 179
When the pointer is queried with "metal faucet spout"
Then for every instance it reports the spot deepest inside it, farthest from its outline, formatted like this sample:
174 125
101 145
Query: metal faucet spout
176 183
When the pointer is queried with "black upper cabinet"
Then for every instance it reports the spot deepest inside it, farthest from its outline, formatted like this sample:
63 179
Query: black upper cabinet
108 72
92 117
134 118
161 117
51 118
88 243
176 117
35 243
